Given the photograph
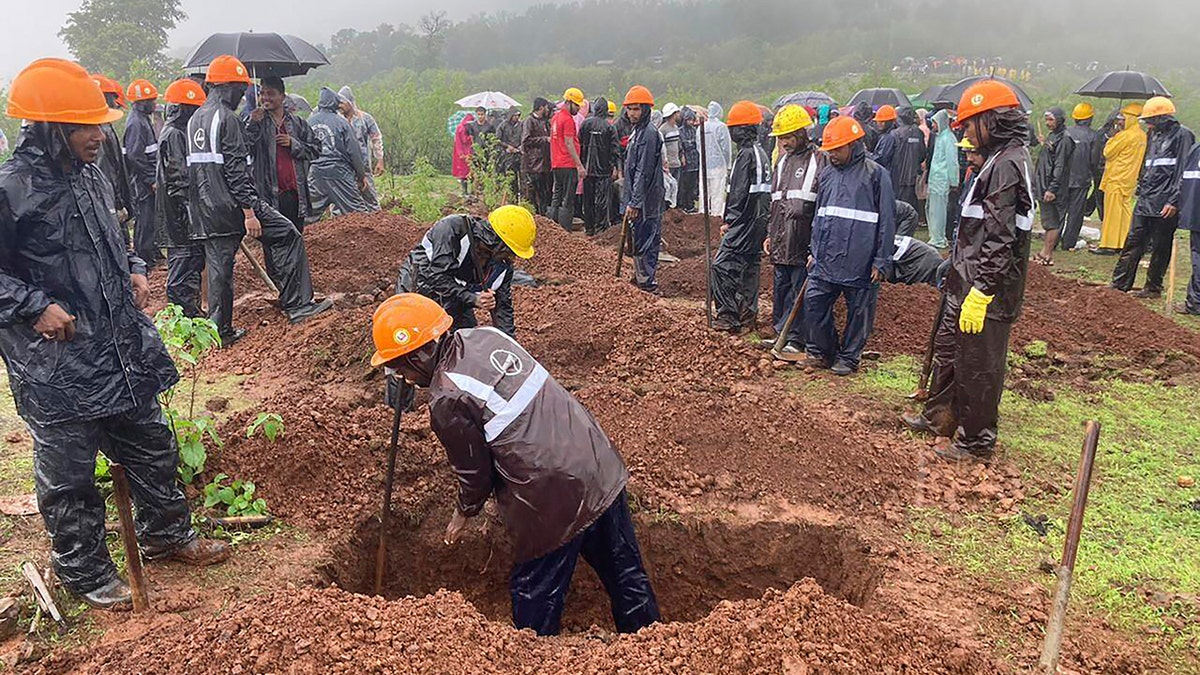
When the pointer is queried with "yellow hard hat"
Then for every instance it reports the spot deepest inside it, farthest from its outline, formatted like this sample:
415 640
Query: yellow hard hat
1134 109
966 144
791 118
1083 111
1159 105
574 95
515 227
612 107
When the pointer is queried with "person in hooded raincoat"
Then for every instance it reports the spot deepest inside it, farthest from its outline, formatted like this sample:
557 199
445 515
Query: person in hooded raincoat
866 117
513 433
909 154
1189 220
821 121
719 153
600 152
223 201
1052 181
183 239
464 149
985 285
112 157
1156 215
141 153
852 241
282 146
339 174
884 153
85 363
943 178
1086 158
508 135
735 267
535 156
644 188
1123 155
370 142
789 228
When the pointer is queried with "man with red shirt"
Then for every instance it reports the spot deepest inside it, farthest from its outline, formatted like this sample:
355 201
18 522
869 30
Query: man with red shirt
564 159
282 145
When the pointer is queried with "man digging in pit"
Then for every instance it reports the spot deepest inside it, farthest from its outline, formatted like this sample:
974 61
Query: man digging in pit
511 431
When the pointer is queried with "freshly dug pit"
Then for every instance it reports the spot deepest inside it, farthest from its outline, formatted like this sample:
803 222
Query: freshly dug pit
693 565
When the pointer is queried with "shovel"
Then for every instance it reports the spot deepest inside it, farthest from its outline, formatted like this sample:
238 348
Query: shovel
386 512
922 392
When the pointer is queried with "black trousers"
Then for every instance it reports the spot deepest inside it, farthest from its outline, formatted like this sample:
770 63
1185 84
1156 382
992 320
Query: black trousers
539 587
1193 292
1076 212
289 207
143 230
967 381
689 190
562 200
185 264
735 280
64 468
1145 231
597 190
908 193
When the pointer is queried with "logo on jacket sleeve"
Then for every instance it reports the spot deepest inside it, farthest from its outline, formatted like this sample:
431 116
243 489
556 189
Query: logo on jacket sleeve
506 363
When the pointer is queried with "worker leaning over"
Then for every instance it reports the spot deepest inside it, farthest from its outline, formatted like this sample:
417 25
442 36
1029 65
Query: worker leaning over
793 207
985 286
85 364
511 431
141 156
183 238
222 199
852 241
735 268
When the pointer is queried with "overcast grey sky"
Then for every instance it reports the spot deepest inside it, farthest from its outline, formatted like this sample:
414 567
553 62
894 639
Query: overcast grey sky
32 31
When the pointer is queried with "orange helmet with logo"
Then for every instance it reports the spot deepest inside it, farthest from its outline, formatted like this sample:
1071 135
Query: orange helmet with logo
886 113
185 92
638 95
60 91
405 323
225 70
141 90
841 131
110 86
744 113
983 96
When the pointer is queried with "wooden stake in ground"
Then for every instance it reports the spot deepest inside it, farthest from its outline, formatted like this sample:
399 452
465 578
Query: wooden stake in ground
707 227
623 244
386 512
133 557
1171 278
258 269
1066 570
41 592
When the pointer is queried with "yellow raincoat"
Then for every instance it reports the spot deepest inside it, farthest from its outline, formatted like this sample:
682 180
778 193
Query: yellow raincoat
1123 155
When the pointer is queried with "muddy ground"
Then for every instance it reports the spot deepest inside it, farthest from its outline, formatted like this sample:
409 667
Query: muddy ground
773 521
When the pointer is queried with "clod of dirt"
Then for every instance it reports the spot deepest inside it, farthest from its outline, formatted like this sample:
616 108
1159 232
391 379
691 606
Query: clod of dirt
216 404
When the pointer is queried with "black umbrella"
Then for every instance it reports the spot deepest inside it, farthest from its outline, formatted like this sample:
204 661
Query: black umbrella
954 92
265 54
933 94
814 99
1124 84
880 97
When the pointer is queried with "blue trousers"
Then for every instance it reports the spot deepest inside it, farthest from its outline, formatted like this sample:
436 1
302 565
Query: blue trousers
647 240
823 341
788 280
539 587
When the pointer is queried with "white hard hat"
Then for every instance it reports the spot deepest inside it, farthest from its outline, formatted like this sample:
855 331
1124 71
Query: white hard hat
670 109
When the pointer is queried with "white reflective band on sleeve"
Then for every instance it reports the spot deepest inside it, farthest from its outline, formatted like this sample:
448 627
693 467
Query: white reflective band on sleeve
850 214
249 160
151 148
512 409
763 179
464 248
760 188
1025 222
970 210
1162 161
484 392
205 158
1191 175
902 244
427 246
499 281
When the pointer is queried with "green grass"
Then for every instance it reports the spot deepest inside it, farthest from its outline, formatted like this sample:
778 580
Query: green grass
1138 537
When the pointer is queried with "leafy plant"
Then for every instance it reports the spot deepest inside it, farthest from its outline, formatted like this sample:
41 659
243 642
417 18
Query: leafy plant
191 435
271 425
237 498
422 198
491 185
188 340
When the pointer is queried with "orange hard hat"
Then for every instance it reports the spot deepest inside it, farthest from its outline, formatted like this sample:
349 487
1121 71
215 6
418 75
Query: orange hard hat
886 113
638 95
110 86
185 92
405 323
744 113
57 90
142 90
226 69
983 96
841 131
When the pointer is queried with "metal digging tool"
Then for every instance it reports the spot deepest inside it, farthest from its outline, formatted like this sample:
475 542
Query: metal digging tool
258 269
781 341
624 243
133 557
1066 570
922 391
386 512
707 230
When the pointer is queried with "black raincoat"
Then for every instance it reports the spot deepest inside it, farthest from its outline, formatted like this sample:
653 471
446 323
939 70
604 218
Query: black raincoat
599 151
451 267
112 165
866 117
735 268
183 239
141 156
1167 147
339 167
1054 161
260 137
907 220
910 151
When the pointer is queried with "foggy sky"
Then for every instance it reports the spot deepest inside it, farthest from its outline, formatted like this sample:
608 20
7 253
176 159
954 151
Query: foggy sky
32 32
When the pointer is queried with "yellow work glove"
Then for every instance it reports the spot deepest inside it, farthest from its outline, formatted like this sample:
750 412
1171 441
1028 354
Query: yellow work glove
974 310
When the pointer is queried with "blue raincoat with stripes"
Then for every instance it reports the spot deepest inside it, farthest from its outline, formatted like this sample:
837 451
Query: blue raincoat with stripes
855 226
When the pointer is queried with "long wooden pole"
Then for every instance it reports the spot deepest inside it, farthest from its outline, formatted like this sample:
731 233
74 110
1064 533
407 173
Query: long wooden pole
1171 277
708 297
133 557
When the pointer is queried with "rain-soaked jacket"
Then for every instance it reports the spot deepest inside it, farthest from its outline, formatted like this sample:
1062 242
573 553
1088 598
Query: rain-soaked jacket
907 220
855 226
219 181
512 431
689 139
112 165
339 148
1189 194
643 169
366 130
444 266
1087 156
991 251
1167 147
535 145
1123 156
141 150
1054 161
794 205
909 151
60 243
599 148
943 169
866 117
748 207
260 137
718 146
175 227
